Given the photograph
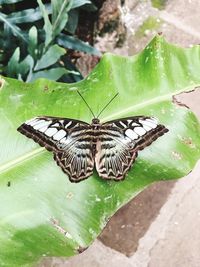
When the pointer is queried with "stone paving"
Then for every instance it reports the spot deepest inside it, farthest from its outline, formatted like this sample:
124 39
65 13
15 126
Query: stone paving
167 231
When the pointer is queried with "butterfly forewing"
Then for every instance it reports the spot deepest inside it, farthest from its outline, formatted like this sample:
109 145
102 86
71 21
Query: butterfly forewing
120 140
66 138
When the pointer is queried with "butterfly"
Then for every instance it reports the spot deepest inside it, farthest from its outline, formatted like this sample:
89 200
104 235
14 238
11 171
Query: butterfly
78 146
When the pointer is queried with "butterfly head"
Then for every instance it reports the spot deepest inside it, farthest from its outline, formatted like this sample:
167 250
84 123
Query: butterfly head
95 121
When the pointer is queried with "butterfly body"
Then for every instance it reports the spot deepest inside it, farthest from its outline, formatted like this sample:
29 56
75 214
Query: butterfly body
79 147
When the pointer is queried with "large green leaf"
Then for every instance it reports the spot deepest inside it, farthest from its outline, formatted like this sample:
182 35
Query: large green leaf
41 212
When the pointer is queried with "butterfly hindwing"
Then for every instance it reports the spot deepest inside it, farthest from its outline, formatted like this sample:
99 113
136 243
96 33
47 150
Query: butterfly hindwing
77 163
113 158
66 138
120 142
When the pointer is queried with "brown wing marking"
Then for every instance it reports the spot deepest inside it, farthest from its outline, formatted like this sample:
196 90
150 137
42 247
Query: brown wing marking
77 163
112 163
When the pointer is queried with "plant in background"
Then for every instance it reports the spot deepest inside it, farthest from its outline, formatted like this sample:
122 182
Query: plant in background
34 38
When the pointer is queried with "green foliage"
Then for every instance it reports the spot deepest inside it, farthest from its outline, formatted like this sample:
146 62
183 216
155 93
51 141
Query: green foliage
32 39
41 212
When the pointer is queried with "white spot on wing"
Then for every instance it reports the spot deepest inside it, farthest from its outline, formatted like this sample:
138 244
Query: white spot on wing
59 135
131 134
32 122
145 125
41 124
139 130
43 129
55 125
63 140
134 124
150 123
154 120
123 124
51 131
68 124
38 124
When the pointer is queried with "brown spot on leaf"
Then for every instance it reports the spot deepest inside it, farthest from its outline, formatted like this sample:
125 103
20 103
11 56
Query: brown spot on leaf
46 88
188 141
81 249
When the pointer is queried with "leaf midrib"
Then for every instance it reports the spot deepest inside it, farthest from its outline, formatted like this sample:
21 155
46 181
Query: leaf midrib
13 163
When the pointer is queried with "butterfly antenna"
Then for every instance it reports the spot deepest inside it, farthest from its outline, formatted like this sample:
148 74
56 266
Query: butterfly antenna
86 103
107 104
